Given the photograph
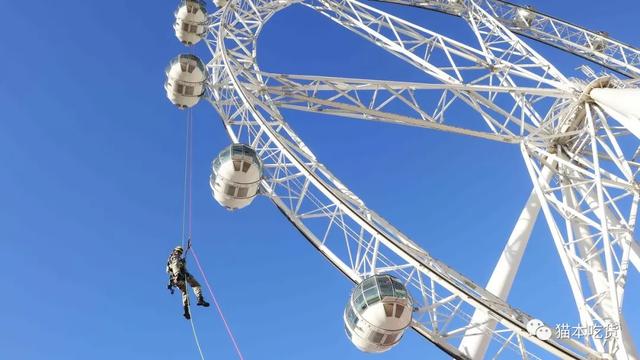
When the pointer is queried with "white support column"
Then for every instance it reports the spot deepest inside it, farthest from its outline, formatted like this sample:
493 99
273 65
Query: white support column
597 279
477 338
634 255
622 104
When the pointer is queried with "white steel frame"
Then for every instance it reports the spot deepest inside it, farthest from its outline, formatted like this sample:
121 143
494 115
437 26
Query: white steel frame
595 46
584 180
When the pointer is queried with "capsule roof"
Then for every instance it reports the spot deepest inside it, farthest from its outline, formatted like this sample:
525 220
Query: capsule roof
185 58
377 288
237 152
201 3
190 3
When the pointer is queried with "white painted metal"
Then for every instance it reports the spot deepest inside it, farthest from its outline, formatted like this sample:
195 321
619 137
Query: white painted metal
590 245
478 337
622 104
519 98
595 46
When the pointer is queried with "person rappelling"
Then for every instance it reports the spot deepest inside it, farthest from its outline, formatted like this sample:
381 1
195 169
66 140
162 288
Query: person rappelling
179 277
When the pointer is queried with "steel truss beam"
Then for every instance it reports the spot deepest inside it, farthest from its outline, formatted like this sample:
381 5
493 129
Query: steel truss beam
407 103
589 197
591 45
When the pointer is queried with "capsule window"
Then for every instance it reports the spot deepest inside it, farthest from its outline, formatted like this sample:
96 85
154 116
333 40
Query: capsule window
399 289
188 90
376 337
230 190
225 155
390 339
346 329
388 310
180 88
399 310
190 68
242 192
237 150
362 306
193 28
245 166
183 66
369 283
372 296
386 289
236 165
250 153
351 317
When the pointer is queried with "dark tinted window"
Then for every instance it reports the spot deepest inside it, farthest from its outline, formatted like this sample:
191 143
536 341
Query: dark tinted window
386 288
242 192
376 337
372 296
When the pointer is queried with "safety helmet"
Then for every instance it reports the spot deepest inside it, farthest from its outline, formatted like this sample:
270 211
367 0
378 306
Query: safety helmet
178 249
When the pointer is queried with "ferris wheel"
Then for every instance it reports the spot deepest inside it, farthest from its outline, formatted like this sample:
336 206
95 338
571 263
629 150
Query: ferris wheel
578 139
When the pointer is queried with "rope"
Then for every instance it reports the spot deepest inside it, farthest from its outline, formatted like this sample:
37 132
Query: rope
195 336
186 209
190 174
215 301
184 187
187 178
187 221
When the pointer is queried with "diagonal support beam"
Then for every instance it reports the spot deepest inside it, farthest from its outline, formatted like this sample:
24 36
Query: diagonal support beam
478 337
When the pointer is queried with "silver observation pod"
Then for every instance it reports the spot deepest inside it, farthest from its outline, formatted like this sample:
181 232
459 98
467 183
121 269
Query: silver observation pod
235 176
377 314
186 75
191 21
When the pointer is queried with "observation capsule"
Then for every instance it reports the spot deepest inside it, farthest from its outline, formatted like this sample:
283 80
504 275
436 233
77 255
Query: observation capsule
378 312
186 75
191 21
235 176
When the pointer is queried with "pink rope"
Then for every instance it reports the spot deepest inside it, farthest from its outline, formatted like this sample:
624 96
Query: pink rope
190 170
189 182
215 302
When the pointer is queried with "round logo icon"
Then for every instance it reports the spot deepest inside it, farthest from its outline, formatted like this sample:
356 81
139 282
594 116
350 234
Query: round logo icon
543 333
536 328
533 325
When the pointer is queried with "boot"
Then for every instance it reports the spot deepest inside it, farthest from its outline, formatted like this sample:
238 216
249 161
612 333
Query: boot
201 302
186 314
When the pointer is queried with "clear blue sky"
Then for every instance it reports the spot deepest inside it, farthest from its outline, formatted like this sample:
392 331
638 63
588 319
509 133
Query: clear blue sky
91 190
